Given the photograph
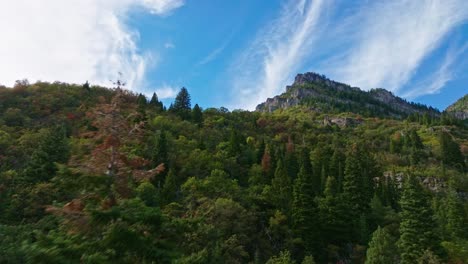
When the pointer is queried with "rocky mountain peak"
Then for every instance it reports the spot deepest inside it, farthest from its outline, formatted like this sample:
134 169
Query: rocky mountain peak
321 94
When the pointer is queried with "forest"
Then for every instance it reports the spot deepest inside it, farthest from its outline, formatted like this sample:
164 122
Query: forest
97 175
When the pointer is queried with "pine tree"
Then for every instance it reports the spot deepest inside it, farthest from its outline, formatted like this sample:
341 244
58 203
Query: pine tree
161 152
305 212
169 189
56 144
281 188
141 108
155 103
332 214
455 215
382 249
182 106
40 168
53 148
450 151
197 115
309 170
358 187
417 228
336 169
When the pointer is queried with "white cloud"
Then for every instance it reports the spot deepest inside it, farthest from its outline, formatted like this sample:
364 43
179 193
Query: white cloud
393 39
169 45
435 81
165 92
277 53
212 55
74 40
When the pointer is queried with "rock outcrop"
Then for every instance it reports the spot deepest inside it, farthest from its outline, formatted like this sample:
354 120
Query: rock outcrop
318 93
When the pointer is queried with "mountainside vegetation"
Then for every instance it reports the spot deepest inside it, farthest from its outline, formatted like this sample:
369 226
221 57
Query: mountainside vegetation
459 109
96 175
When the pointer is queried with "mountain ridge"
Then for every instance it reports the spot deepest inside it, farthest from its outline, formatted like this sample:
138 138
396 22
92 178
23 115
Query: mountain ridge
459 109
319 93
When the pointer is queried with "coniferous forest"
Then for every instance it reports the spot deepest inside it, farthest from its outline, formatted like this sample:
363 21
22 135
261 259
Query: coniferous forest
96 175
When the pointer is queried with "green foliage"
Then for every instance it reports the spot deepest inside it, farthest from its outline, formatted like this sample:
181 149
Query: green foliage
283 258
450 151
382 248
182 106
236 187
417 226
306 223
197 115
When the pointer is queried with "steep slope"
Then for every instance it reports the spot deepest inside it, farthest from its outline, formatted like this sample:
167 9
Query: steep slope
324 95
459 109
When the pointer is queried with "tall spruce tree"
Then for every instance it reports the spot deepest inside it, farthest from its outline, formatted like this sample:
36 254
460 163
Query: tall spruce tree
333 210
305 212
456 227
450 151
182 106
197 115
155 103
53 148
417 227
281 188
358 187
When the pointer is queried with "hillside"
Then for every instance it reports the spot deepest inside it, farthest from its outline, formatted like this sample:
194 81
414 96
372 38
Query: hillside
324 95
336 175
459 109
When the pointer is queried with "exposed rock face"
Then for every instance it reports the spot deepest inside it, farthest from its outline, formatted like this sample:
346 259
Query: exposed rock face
315 86
459 109
342 121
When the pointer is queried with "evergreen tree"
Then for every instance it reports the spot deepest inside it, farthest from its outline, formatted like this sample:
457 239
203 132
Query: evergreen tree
170 188
182 106
234 143
382 249
336 169
305 212
417 228
197 115
450 151
141 108
40 168
155 103
358 187
309 170
56 145
54 148
332 215
161 151
281 188
455 215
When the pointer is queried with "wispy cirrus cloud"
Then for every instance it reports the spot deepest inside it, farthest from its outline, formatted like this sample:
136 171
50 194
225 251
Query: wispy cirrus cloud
393 39
212 55
74 40
277 52
366 44
437 79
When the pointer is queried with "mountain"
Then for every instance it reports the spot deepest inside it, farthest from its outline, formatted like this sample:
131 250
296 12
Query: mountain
324 95
459 109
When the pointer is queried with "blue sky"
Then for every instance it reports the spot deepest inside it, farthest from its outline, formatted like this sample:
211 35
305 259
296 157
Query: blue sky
238 53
